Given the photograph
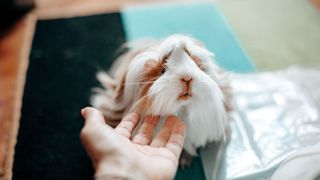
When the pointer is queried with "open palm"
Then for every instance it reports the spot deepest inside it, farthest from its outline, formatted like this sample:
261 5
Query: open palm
116 152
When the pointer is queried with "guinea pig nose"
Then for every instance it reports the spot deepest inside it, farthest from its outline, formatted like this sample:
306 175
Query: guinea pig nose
186 79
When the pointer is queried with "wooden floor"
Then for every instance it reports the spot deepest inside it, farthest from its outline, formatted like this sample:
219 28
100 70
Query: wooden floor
9 64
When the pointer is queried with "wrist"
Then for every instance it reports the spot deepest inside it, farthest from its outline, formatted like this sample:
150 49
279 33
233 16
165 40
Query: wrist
117 176
110 177
118 171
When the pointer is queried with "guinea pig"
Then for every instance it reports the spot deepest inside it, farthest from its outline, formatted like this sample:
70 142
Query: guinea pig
176 76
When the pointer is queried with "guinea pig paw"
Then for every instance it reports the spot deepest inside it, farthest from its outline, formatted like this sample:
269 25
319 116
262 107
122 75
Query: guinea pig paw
185 160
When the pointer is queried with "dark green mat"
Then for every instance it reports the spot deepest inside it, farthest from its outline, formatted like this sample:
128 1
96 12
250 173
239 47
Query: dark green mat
65 56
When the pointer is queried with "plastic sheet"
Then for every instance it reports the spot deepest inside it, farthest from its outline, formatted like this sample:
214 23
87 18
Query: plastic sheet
275 115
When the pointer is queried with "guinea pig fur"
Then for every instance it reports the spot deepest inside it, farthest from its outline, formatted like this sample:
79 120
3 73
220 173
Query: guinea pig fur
176 76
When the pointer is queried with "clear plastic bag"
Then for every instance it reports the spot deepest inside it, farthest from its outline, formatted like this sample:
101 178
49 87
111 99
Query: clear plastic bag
275 115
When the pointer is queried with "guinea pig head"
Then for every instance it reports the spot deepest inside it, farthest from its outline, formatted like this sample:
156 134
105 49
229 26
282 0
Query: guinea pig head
178 75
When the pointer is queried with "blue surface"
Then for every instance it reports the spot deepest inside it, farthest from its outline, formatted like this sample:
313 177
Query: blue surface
203 21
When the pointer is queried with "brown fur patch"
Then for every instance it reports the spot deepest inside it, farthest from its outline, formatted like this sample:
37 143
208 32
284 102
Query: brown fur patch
112 117
113 122
141 105
120 89
153 70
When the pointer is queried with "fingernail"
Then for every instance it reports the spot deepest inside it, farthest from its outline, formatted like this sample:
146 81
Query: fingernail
84 111
134 116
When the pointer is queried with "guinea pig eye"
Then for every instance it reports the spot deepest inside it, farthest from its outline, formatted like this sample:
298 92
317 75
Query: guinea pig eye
166 57
163 71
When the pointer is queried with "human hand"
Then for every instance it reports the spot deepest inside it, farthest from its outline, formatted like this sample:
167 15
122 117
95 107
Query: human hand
116 154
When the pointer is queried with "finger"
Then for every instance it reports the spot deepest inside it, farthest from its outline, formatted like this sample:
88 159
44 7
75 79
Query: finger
143 137
162 137
175 142
127 125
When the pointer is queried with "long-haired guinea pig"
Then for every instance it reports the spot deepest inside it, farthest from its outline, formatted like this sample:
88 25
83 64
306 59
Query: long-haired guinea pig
175 76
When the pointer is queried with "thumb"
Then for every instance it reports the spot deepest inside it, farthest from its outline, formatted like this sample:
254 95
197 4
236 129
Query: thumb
92 115
97 137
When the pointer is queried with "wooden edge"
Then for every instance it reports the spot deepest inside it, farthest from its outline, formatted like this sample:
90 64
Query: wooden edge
69 9
84 8
30 21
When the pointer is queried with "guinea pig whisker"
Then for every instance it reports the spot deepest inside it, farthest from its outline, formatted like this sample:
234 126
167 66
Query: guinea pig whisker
149 82
156 77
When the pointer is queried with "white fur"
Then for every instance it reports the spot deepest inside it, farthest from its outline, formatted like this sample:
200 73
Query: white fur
204 113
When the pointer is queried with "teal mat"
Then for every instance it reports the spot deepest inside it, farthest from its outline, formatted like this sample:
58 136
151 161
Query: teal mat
200 20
